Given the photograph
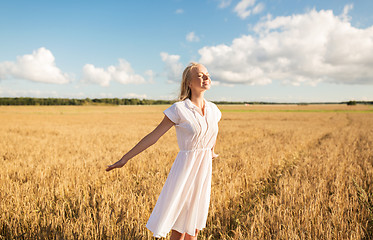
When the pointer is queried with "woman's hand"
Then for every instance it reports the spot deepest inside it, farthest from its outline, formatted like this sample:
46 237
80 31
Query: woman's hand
118 164
214 155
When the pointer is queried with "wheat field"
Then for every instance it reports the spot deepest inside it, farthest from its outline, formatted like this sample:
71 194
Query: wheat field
284 172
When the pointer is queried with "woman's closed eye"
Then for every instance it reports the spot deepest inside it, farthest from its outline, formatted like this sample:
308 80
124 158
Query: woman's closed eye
203 76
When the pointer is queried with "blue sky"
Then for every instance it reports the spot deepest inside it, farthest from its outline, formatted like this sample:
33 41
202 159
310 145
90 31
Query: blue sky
275 51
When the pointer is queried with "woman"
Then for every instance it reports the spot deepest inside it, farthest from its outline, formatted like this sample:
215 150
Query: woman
184 200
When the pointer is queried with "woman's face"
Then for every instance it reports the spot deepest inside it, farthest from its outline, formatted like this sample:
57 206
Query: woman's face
200 79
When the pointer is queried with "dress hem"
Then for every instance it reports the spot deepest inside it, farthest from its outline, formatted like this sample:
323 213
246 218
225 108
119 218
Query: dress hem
164 235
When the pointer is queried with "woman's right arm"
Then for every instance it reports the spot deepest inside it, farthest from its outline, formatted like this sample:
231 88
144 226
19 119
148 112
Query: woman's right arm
146 142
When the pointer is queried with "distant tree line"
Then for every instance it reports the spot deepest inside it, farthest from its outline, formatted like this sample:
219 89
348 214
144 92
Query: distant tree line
86 101
352 103
132 101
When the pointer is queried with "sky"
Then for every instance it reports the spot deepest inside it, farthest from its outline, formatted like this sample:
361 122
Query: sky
254 50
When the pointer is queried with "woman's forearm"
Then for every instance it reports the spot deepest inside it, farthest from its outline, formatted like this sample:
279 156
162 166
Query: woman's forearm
144 143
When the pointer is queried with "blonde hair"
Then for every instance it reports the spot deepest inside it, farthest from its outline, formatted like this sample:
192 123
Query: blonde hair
185 91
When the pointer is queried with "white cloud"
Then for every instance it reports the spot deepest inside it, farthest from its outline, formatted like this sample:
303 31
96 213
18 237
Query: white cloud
258 8
173 67
96 75
122 73
8 92
224 3
23 93
105 95
243 8
167 97
346 10
305 48
192 37
38 67
179 11
136 95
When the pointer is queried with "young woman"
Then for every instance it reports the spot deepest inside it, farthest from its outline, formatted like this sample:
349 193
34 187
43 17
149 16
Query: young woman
184 200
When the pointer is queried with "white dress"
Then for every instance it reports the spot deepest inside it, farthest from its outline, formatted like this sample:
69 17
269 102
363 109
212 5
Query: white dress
184 200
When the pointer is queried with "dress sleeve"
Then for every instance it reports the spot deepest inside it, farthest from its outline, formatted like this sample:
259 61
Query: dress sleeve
218 113
172 113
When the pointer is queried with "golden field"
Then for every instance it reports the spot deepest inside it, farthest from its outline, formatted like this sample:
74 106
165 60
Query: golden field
284 172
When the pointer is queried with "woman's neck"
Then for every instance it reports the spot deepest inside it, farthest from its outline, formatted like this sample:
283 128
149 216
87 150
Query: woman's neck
198 100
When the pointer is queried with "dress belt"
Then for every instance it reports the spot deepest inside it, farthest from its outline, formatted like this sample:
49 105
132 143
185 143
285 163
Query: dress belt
196 149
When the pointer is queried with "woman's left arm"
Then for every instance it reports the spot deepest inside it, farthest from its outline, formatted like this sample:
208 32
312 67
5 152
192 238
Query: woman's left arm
146 142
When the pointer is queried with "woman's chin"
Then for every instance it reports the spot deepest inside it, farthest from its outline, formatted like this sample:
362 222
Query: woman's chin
207 86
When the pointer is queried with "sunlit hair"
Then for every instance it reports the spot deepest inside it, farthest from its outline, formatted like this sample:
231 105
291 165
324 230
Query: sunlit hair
185 91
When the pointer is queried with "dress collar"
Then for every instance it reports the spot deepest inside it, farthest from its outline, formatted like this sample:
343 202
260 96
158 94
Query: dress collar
192 106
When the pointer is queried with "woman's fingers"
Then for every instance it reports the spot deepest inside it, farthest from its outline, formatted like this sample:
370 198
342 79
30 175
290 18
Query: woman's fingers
110 167
118 164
